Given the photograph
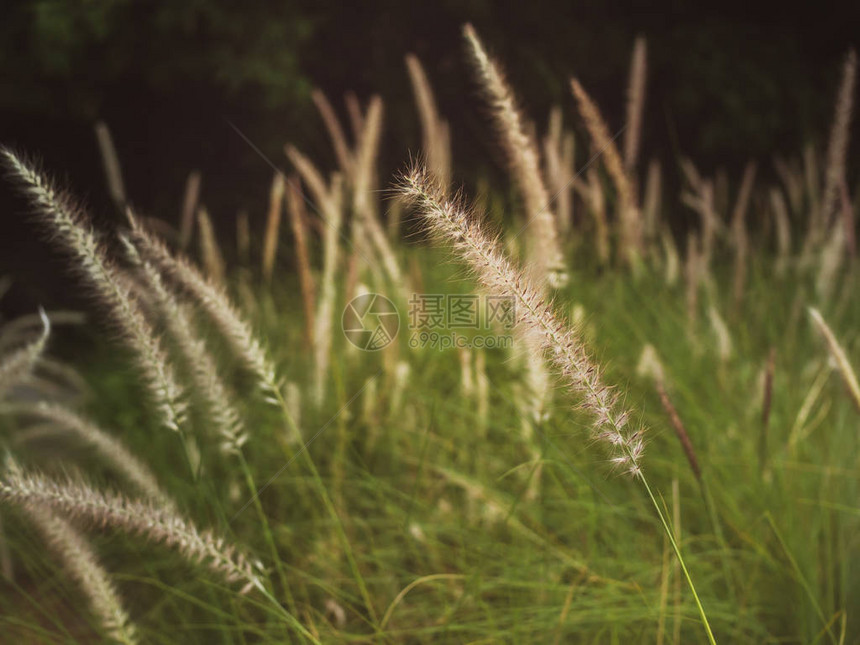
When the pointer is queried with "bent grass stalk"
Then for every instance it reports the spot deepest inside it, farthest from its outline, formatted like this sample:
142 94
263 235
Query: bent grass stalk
83 565
18 365
450 221
70 229
216 304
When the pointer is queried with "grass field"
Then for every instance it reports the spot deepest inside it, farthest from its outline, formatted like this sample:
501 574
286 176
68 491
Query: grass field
418 494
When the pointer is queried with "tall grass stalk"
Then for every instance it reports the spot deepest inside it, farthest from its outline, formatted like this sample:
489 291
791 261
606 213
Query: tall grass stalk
522 156
450 221
635 103
83 565
110 163
67 225
18 365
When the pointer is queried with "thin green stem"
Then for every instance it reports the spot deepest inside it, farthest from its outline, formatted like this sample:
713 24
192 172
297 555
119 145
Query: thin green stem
267 531
330 508
677 550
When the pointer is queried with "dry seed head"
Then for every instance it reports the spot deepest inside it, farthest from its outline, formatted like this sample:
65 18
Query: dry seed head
18 365
635 103
837 147
156 524
603 142
110 162
448 219
273 224
839 356
189 207
63 419
435 132
204 370
83 565
522 156
68 226
209 249
338 138
298 221
212 300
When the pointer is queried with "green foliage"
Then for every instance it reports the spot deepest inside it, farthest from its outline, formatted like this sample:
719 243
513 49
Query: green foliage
82 50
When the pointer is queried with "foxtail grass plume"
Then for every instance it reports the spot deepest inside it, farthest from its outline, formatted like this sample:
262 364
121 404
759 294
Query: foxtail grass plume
843 365
299 224
110 162
635 103
212 300
630 233
721 334
18 365
210 251
68 227
84 567
353 111
739 233
650 365
338 138
219 406
837 147
436 141
559 148
155 523
680 430
522 157
782 225
448 219
362 185
62 419
189 207
273 225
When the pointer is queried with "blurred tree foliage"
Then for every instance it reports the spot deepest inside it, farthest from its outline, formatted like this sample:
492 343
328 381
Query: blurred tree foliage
61 56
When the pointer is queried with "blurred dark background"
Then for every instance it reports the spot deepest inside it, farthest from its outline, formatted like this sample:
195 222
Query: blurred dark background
725 84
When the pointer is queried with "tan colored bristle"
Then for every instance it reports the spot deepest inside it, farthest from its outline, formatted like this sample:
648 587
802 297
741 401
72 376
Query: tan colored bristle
451 221
210 251
84 567
739 234
635 103
335 132
155 523
69 226
17 366
273 225
111 449
630 233
189 207
837 148
545 254
434 129
843 365
680 430
211 297
298 221
110 162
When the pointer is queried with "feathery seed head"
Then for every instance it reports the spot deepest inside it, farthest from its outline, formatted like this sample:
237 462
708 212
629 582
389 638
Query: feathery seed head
17 366
449 220
155 523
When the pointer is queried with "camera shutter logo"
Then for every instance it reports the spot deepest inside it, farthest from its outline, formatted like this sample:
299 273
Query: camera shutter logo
370 321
